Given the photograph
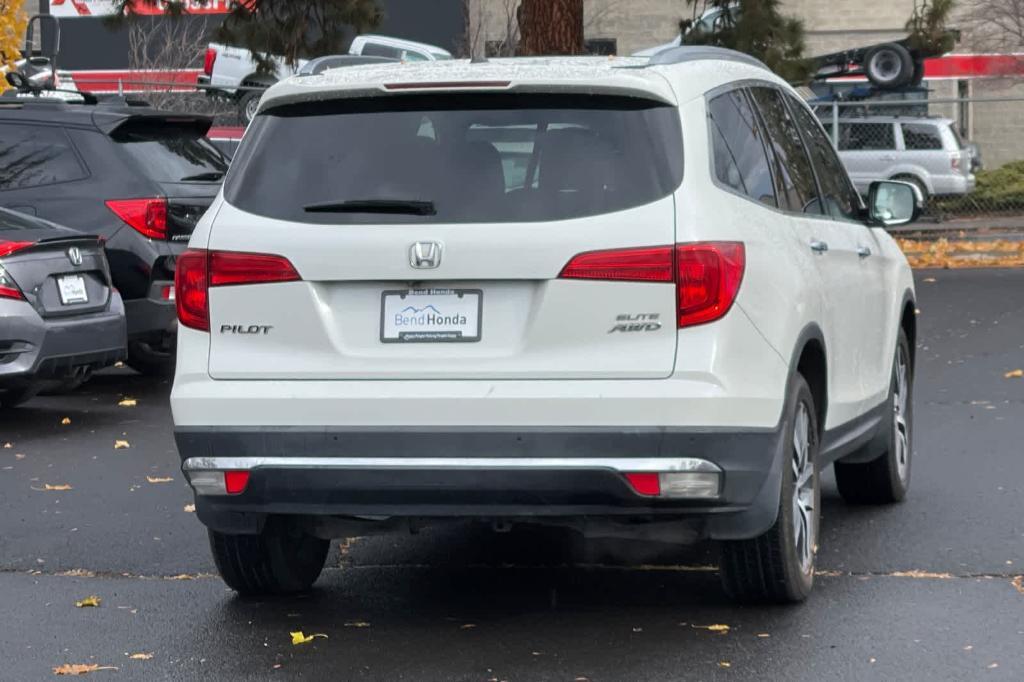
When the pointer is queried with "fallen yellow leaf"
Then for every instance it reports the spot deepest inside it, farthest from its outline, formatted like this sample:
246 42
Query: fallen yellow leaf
763 635
190 508
921 574
717 627
62 486
80 668
65 421
1018 583
1015 374
468 626
8 446
121 445
300 638
157 479
141 657
128 402
358 624
91 600
724 664
19 456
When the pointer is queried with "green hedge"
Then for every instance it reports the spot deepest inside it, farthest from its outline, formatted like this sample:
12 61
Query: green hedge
998 191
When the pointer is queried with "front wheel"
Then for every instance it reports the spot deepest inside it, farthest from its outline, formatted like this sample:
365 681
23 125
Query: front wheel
281 559
886 479
778 567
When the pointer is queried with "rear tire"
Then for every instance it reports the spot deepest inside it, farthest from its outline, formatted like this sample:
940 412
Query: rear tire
280 560
778 566
885 480
144 359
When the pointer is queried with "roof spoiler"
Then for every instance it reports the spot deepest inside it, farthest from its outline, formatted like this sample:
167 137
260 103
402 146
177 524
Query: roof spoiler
156 119
694 53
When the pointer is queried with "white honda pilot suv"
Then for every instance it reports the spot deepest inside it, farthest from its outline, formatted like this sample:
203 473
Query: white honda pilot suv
630 297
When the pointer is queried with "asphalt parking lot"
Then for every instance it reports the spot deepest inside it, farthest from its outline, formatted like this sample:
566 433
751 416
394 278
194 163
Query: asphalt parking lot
929 589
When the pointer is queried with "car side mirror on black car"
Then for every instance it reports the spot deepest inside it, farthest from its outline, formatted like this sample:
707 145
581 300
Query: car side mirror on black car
892 203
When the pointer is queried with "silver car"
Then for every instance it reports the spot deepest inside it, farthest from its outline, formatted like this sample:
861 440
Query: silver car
927 152
60 318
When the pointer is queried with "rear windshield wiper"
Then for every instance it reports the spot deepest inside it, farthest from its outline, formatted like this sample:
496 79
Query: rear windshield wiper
199 177
393 206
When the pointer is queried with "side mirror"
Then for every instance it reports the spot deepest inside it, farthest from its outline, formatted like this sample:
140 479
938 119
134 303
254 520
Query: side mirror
18 81
892 203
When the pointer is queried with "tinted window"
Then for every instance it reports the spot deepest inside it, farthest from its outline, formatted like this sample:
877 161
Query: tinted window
736 143
378 50
841 201
477 158
31 156
795 178
920 136
862 136
171 153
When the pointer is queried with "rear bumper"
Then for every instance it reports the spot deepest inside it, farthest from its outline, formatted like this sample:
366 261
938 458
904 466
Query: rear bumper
953 184
33 348
151 317
504 472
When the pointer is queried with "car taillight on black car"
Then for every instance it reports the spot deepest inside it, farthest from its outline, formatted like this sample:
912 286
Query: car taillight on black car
209 59
147 216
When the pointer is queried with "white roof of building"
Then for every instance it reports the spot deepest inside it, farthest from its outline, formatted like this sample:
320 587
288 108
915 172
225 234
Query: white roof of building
626 76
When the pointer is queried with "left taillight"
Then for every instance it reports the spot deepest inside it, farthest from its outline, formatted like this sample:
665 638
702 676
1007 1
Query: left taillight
8 287
707 275
209 59
146 216
198 270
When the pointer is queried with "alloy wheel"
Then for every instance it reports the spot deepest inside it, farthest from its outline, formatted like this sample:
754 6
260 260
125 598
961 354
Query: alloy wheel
804 527
900 405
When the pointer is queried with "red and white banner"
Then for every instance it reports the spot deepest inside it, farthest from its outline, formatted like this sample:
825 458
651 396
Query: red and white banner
100 8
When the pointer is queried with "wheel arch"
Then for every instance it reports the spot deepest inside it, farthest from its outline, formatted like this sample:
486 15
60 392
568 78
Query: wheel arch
908 323
810 360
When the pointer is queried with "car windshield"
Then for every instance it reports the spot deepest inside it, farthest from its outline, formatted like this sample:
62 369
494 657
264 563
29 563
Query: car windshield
172 153
474 158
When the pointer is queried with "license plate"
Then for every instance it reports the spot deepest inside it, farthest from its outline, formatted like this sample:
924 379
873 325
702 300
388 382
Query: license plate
72 289
431 316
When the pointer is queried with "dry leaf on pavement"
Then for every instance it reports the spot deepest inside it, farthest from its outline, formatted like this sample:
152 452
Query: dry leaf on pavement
724 664
91 600
80 668
62 486
128 402
8 446
301 638
1015 374
717 627
1018 583
65 421
157 479
189 508
141 656
358 624
121 444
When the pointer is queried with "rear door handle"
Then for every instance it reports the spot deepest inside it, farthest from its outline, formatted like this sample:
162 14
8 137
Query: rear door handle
818 246
863 251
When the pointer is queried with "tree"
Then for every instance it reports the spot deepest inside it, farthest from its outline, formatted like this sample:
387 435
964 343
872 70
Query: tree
927 27
550 27
755 27
13 20
287 29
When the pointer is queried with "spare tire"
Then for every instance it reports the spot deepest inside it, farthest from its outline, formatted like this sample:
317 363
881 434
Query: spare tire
889 65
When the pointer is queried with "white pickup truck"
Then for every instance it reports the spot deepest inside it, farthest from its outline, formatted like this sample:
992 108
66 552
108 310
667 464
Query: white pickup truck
231 72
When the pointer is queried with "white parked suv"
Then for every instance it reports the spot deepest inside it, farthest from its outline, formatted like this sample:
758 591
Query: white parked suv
631 297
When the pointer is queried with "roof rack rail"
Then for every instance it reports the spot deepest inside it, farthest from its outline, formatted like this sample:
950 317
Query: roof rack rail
694 53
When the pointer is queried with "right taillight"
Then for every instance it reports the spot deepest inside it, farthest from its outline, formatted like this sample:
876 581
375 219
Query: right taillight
197 270
707 275
209 59
146 216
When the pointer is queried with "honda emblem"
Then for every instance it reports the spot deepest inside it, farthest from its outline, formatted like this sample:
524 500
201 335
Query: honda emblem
425 255
75 255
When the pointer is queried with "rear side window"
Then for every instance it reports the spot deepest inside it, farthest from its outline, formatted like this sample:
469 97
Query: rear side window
841 201
866 136
472 158
797 189
33 156
921 136
741 162
378 50
168 152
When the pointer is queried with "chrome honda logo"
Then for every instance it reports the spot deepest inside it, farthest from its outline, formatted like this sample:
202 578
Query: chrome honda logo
425 255
75 255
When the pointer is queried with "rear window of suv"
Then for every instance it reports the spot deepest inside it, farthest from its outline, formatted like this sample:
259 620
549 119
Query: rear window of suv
471 158
169 152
